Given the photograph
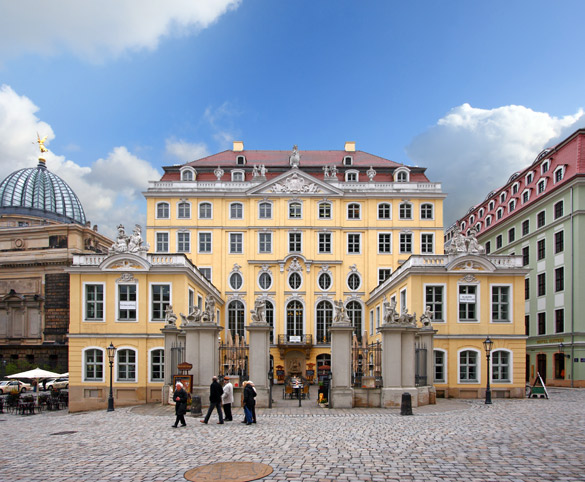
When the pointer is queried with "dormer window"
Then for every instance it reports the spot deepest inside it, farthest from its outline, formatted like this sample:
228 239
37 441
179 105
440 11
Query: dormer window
237 176
471 219
491 205
351 176
525 196
545 166
187 174
502 197
348 161
512 205
402 175
478 227
480 215
488 221
463 226
529 178
541 186
559 173
241 160
515 188
499 213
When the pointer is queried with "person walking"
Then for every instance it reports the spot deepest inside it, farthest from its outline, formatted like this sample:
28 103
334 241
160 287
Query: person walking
180 397
215 393
249 403
227 399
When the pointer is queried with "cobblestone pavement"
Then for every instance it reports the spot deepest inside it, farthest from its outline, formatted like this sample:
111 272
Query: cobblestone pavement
511 440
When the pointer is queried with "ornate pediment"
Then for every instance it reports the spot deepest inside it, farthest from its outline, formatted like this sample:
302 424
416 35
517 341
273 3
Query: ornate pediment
295 182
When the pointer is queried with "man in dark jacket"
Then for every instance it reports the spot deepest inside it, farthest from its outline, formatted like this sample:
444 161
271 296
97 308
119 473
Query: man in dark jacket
215 393
180 397
249 403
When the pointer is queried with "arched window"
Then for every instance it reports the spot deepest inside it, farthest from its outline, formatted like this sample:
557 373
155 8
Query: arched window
162 211
93 365
236 318
126 371
354 311
426 211
294 318
157 365
270 318
468 366
184 210
384 211
187 175
324 319
236 211
295 210
353 211
205 211
405 211
265 210
440 366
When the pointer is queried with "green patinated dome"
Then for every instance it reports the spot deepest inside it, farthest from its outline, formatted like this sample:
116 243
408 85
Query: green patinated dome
40 193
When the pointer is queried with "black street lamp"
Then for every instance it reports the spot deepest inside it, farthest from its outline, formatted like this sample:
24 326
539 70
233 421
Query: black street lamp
488 344
111 355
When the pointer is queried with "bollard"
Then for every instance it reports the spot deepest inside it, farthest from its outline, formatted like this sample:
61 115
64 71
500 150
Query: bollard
196 406
406 407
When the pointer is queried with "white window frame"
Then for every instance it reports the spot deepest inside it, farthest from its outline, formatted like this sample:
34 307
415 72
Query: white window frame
201 203
168 210
235 175
232 287
266 273
269 234
529 178
350 173
84 362
201 268
444 381
352 274
480 214
491 205
512 205
319 243
403 295
402 174
359 205
421 243
96 320
295 202
478 367
199 233
271 204
500 213
443 320
150 352
188 233
503 196
136 364
300 284
379 242
405 204
477 303
541 182
555 175
118 320
188 203
240 160
432 211
515 188
233 204
380 268
400 251
321 203
230 233
545 166
189 170
347 243
526 196
383 204
510 303
150 301
288 238
510 367
168 234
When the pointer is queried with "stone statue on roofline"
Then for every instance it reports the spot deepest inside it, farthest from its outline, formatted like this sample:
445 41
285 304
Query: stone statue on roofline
461 244
295 158
129 244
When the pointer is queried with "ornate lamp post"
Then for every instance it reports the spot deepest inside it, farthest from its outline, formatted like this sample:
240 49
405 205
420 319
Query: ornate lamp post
111 355
488 344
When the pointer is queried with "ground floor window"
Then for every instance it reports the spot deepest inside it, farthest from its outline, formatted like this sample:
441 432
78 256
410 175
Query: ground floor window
468 369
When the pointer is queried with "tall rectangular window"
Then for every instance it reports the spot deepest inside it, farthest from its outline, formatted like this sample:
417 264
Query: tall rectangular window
265 210
265 242
295 242
236 211
439 366
405 211
511 235
157 365
353 243
559 242
526 288
236 243
498 241
467 303
384 211
205 242
94 302
324 211
126 365
384 274
434 299
540 219
559 210
406 242
94 365
183 242
468 366
488 247
542 323
525 227
540 249
560 279
559 320
324 243
127 302
427 243
384 243
501 366
525 255
162 242
541 284
160 300
500 303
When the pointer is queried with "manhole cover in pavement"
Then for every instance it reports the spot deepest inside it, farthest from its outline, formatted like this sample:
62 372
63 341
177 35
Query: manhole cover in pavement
64 433
229 471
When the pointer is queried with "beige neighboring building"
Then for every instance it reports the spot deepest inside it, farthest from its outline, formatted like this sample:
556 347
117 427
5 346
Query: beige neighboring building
42 226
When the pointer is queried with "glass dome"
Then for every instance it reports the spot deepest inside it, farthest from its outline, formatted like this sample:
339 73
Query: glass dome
40 193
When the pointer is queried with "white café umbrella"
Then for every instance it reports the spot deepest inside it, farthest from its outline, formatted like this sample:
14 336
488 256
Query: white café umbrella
35 374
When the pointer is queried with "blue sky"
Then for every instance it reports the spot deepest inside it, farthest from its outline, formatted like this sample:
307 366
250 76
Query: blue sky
471 90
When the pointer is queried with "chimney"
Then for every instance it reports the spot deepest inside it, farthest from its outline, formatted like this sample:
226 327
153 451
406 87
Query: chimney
350 146
238 146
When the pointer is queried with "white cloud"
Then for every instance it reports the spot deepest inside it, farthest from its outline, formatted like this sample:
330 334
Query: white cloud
97 30
110 190
184 151
472 151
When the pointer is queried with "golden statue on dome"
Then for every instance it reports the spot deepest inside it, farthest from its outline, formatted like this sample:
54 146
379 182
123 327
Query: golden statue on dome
41 143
